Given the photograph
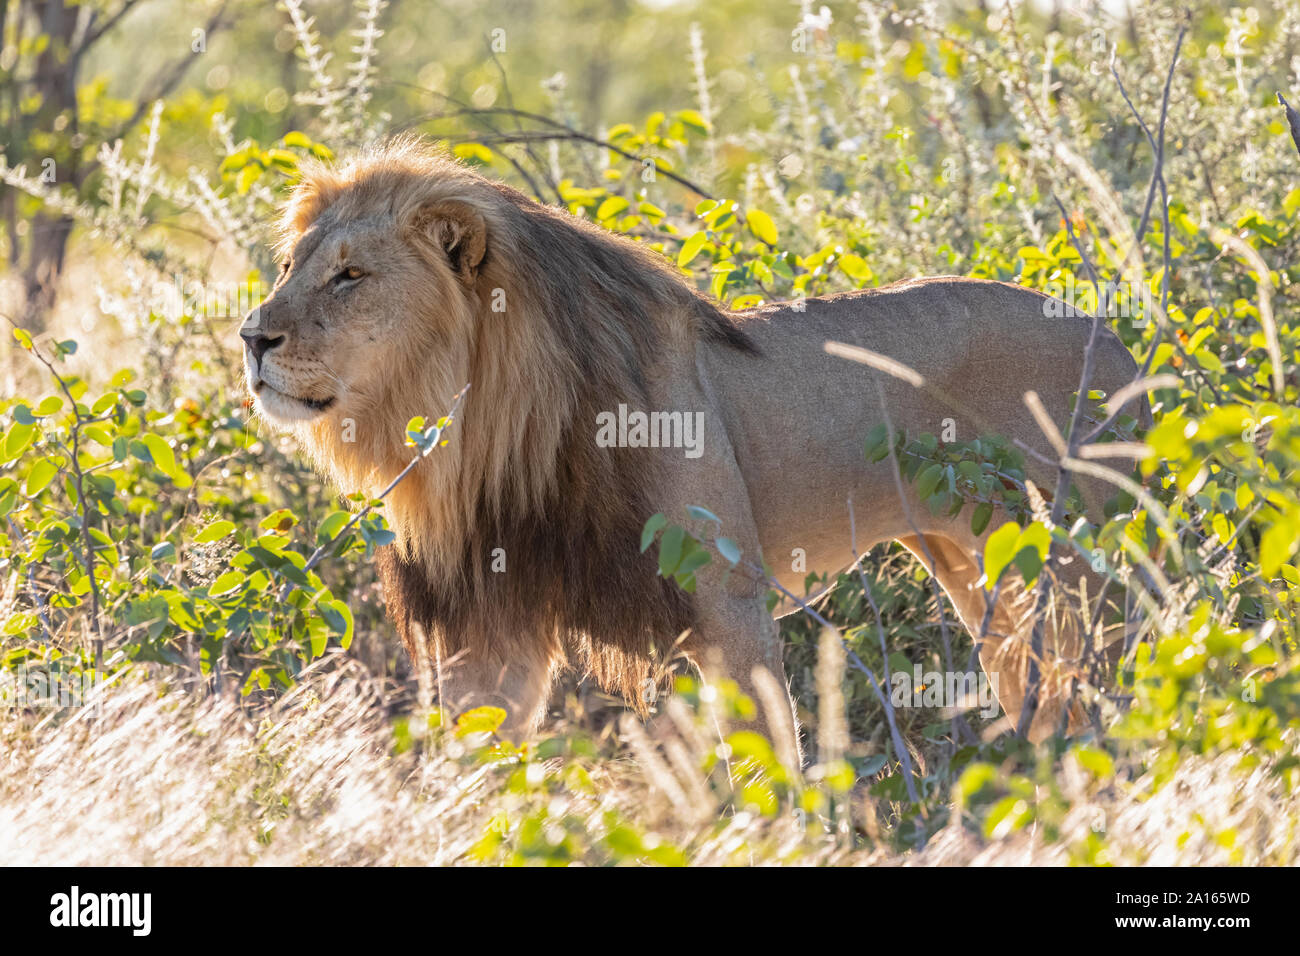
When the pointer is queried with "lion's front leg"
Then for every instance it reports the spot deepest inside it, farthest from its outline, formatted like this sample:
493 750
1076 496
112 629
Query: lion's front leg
521 686
737 639
464 664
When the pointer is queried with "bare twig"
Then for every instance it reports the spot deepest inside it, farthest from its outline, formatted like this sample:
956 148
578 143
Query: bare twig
510 105
900 746
1292 120
1157 143
556 131
931 566
323 549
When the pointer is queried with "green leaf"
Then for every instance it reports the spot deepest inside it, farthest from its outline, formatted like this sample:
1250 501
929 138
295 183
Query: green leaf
1009 814
282 158
721 276
281 519
702 514
929 480
319 639
161 453
694 559
693 118
40 476
106 548
226 583
17 440
746 744
670 549
1276 545
1036 536
480 720
877 443
214 532
247 177
979 519
331 525
691 248
339 617
652 526
474 151
1096 761
872 765
999 549
762 226
729 550
975 778
99 434
611 207
855 267
1029 563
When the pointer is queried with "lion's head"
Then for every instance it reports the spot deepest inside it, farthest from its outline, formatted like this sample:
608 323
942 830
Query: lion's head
379 265
389 266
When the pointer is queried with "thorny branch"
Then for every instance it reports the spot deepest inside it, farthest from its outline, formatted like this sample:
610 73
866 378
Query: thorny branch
1073 440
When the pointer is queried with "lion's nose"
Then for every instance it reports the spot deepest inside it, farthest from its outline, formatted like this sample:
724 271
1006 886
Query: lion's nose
258 343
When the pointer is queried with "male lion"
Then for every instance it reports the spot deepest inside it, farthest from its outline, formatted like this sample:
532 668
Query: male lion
407 275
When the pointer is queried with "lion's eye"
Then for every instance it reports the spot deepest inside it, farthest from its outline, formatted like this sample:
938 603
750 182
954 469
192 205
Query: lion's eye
284 266
350 274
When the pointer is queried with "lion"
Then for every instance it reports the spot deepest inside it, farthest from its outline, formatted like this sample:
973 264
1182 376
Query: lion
407 275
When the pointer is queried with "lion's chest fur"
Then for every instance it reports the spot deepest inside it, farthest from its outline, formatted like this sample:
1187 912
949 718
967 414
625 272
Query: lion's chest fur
566 577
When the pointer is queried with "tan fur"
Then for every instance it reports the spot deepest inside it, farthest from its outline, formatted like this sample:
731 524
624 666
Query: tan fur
553 321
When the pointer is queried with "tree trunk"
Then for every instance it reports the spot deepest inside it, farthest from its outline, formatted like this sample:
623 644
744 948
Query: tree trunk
55 81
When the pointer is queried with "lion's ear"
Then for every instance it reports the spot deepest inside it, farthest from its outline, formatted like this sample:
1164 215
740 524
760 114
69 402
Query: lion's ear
458 230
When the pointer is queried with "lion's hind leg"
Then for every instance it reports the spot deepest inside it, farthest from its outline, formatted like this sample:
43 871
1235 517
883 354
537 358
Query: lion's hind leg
1004 630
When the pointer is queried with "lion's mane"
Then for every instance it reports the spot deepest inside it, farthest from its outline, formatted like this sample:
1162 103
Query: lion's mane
588 319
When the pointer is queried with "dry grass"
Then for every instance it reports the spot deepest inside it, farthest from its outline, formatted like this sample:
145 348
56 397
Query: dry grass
162 776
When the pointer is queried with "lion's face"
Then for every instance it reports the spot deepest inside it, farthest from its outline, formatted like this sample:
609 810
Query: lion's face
322 331
358 304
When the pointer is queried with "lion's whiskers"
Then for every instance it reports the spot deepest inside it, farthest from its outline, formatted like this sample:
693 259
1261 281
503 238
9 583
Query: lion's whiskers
332 374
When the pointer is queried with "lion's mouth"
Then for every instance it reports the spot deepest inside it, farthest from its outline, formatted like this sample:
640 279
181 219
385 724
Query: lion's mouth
314 404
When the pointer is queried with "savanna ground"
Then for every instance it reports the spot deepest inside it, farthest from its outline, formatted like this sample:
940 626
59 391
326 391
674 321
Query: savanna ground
195 664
